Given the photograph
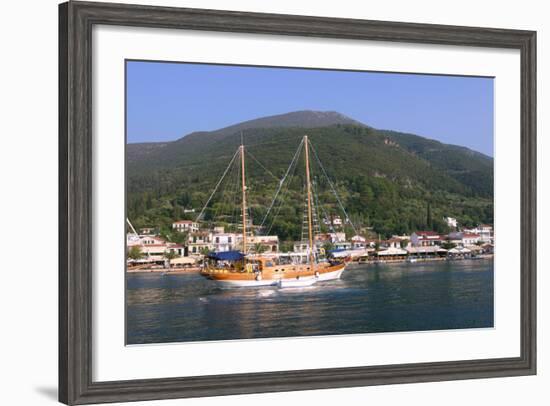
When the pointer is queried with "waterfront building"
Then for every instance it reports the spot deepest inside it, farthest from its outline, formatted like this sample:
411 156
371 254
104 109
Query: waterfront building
429 251
153 248
358 241
426 238
455 238
151 240
392 243
459 252
269 243
321 239
392 254
342 245
185 226
199 241
300 246
485 232
470 239
226 242
303 246
337 237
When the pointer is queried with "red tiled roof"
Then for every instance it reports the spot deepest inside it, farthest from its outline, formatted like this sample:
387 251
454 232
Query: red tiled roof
427 233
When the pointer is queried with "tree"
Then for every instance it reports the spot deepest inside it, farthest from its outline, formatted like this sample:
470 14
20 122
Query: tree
404 243
328 246
429 222
448 245
135 253
259 248
286 246
181 237
170 255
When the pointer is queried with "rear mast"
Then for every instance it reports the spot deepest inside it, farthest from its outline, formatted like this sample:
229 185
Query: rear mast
309 212
243 195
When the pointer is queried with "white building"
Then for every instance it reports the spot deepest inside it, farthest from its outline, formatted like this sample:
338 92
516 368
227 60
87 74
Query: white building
337 237
485 232
199 241
225 242
393 242
300 246
185 226
358 241
269 243
470 239
451 222
426 238
147 230
153 248
151 240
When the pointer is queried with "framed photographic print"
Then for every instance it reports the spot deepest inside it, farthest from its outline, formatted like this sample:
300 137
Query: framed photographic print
258 202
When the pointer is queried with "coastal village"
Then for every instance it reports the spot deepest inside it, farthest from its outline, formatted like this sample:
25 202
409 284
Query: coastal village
147 250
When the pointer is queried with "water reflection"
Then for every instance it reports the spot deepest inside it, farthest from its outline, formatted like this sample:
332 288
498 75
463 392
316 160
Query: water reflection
375 298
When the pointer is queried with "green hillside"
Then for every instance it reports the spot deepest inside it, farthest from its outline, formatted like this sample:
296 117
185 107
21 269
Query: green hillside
389 182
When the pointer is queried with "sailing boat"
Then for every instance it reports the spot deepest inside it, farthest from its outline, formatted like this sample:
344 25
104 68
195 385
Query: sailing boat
238 269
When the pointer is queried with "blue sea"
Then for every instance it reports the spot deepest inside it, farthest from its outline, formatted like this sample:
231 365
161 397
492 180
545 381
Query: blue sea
373 298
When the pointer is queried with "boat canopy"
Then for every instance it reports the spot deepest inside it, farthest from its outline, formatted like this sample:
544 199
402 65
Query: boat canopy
226 256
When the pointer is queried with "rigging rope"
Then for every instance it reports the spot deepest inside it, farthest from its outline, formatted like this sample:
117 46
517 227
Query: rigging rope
261 165
275 140
224 189
236 196
137 235
281 182
332 187
324 212
217 185
283 195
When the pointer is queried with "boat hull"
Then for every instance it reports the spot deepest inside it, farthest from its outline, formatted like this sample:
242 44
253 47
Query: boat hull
298 283
271 278
332 275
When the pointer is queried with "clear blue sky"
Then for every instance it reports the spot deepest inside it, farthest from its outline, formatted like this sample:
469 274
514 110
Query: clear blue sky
166 101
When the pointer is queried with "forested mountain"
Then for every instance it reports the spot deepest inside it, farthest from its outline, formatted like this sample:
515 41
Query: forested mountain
390 182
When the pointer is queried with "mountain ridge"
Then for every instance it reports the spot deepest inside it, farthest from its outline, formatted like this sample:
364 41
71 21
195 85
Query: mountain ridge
387 178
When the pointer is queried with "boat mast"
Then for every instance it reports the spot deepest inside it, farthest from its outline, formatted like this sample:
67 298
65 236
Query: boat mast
244 195
309 214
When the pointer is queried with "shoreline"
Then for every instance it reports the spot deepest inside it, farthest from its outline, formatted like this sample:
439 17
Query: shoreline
351 263
419 260
165 271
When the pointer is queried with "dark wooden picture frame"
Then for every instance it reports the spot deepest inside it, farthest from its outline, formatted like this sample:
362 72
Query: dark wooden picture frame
76 20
